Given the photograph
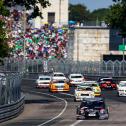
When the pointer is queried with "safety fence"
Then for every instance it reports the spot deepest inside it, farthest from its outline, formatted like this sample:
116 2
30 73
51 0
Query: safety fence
103 68
11 100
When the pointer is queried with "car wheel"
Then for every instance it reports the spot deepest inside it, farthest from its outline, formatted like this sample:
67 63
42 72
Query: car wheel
77 118
118 94
75 100
50 90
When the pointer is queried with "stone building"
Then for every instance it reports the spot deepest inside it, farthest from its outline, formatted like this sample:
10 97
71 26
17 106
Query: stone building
56 13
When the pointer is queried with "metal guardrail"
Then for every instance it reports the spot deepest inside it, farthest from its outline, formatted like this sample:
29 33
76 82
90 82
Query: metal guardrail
11 101
10 87
12 110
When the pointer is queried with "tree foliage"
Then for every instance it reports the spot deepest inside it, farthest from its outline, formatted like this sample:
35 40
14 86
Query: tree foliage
99 14
3 32
78 12
117 16
29 5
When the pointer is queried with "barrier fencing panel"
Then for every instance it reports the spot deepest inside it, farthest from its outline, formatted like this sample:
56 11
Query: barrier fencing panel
103 68
10 88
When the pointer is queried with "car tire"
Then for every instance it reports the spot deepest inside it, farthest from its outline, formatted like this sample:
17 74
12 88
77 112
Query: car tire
118 94
77 118
50 90
75 100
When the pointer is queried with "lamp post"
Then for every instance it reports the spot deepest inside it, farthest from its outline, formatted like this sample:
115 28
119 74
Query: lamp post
24 46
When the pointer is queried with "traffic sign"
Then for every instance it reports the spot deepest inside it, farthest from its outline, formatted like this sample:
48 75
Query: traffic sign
122 47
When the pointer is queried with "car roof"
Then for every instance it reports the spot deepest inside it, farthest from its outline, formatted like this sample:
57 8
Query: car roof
93 99
90 81
122 82
76 74
44 76
58 73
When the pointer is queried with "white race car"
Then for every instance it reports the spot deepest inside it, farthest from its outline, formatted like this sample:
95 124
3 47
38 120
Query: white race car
95 86
76 79
58 76
43 81
83 91
121 88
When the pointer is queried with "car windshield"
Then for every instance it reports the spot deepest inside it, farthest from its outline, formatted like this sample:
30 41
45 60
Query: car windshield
93 104
106 80
122 84
89 84
44 78
60 81
58 75
80 88
94 85
76 77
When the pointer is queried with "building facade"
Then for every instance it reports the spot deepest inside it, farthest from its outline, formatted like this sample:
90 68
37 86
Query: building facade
56 13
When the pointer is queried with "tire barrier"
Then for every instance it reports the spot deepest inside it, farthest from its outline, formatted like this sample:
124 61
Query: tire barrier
12 110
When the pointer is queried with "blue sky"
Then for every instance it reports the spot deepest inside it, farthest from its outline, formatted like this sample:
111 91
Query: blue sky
93 4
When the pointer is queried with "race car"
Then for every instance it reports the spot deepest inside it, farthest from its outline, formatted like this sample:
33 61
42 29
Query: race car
43 81
83 91
59 86
92 107
107 83
58 76
121 88
95 86
76 79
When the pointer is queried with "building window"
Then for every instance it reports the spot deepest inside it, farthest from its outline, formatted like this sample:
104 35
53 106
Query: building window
51 17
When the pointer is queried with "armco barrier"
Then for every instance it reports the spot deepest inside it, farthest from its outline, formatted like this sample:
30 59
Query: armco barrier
12 110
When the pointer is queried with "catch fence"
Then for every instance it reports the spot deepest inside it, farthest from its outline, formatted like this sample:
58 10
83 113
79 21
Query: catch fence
103 68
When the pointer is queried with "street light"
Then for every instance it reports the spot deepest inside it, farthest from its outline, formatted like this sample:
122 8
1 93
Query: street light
24 46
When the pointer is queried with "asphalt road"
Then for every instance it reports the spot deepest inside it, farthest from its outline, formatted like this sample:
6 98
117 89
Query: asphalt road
58 109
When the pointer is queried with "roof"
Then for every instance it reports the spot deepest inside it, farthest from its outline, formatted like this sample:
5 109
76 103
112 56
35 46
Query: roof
76 74
90 81
44 76
58 73
122 82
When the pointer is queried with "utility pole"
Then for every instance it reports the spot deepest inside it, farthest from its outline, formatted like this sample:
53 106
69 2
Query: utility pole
24 46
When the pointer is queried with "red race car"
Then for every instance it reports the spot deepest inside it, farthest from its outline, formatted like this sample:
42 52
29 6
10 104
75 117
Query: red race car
107 83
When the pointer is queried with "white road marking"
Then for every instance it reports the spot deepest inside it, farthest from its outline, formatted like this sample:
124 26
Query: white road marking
66 104
77 122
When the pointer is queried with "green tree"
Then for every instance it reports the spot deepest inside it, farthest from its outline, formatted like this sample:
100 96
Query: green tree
117 16
29 5
3 32
99 14
78 12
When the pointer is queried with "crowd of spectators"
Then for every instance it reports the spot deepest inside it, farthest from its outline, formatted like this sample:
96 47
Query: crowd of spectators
49 41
